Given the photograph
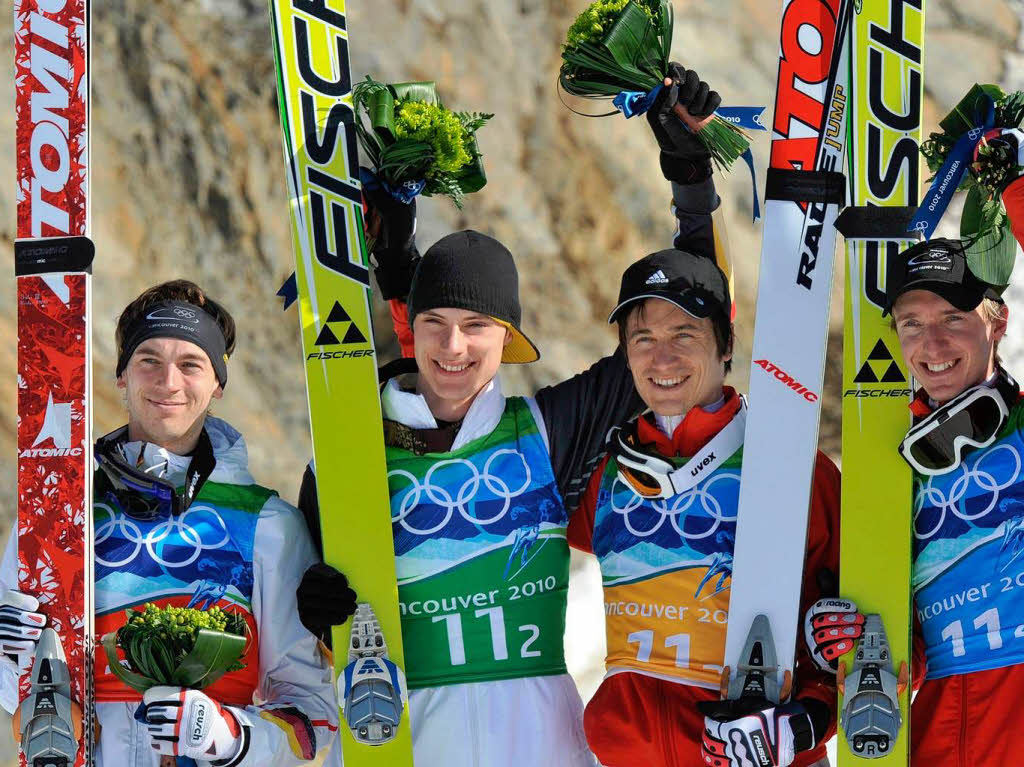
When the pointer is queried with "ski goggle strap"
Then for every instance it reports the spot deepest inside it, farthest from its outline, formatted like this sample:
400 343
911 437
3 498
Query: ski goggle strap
972 420
653 476
141 495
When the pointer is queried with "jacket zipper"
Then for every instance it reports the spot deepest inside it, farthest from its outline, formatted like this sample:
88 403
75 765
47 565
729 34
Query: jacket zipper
963 722
667 743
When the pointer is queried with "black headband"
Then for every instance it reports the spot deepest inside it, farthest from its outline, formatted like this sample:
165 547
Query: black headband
182 320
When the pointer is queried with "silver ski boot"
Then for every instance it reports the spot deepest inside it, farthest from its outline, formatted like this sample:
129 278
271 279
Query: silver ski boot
48 715
871 708
371 688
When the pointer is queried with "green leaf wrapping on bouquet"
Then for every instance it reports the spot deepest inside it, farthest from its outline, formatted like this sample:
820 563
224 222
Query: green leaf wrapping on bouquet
213 655
137 681
966 113
380 108
964 116
990 246
632 55
633 43
425 91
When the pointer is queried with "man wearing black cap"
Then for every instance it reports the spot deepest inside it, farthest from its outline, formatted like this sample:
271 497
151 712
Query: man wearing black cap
967 452
180 522
660 514
482 484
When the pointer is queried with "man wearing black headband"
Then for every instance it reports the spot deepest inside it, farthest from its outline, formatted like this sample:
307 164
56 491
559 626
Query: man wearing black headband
966 448
180 522
484 642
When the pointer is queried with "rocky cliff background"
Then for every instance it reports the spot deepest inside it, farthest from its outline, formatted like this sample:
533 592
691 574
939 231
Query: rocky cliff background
188 181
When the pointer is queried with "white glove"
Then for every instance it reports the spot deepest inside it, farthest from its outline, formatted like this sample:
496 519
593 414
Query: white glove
831 626
764 738
183 722
20 627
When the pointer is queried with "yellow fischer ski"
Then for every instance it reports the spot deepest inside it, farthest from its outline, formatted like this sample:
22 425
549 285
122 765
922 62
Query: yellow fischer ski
886 60
314 94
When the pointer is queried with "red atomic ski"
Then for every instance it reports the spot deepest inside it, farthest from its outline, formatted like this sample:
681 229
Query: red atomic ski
54 420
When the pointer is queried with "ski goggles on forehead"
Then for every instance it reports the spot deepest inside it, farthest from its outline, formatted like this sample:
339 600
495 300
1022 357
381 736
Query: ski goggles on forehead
970 421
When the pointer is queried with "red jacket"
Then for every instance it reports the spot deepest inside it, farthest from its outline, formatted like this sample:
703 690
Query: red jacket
967 720
637 719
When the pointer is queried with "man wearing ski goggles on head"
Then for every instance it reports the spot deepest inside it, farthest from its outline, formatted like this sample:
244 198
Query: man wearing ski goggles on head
482 484
660 514
179 522
966 449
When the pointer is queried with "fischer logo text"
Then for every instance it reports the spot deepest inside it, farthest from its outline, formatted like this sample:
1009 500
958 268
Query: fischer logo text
786 378
877 393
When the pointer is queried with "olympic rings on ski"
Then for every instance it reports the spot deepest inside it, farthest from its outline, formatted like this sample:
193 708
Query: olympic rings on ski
675 509
466 495
154 540
955 502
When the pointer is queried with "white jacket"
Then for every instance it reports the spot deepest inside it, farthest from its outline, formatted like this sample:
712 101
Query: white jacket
506 723
292 670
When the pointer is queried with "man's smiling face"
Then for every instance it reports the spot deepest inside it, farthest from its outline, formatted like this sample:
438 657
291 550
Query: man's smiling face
947 349
674 358
169 384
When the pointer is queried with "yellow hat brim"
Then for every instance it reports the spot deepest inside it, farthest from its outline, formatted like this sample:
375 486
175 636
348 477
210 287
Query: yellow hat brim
520 349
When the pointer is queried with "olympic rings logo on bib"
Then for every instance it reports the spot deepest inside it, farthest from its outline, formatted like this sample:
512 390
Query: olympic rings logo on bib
674 508
955 502
176 531
466 494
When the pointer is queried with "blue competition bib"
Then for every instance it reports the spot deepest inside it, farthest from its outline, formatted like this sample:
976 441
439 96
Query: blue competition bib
969 561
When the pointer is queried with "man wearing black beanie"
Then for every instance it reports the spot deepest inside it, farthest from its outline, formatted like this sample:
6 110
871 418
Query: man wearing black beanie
482 484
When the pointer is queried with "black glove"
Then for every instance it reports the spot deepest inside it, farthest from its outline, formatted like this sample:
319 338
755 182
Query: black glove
684 158
391 225
325 600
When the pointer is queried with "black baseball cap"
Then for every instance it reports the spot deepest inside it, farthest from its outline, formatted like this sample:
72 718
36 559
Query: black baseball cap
693 283
940 266
469 270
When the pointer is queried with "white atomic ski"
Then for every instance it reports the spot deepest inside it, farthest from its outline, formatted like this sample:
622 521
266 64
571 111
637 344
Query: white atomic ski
802 198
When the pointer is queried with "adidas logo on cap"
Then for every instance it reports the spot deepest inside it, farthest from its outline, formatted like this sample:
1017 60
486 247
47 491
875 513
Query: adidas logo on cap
658 278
